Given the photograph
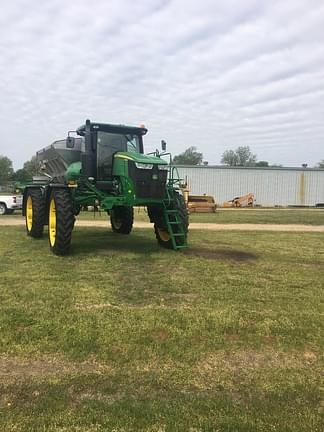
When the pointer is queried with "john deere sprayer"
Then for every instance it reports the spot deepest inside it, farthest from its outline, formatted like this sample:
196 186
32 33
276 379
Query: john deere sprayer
104 165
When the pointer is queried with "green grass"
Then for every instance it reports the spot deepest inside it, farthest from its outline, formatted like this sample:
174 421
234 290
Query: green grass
263 216
122 335
255 216
222 216
259 216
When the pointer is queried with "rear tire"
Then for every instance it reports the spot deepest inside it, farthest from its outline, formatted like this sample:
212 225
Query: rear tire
60 221
35 213
3 209
121 219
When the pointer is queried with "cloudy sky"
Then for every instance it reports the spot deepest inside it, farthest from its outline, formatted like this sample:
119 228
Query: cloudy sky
212 74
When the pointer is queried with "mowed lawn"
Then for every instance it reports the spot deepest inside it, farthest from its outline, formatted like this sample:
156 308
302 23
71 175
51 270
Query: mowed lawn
238 216
310 216
124 336
262 216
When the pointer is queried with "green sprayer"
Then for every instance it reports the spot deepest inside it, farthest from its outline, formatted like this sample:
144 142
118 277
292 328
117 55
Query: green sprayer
104 165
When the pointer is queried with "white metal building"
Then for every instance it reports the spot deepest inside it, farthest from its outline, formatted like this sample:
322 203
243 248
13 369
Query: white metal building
271 186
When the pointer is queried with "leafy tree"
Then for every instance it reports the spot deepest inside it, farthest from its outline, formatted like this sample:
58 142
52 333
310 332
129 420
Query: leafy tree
31 167
6 170
189 157
21 175
262 164
230 158
246 157
26 173
321 164
242 156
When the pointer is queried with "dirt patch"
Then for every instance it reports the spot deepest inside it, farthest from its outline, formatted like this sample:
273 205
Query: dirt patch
108 399
310 357
7 221
270 339
215 369
232 337
12 368
212 254
160 335
85 307
125 307
249 359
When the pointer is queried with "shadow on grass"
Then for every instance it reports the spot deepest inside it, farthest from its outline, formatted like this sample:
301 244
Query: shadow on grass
211 254
94 241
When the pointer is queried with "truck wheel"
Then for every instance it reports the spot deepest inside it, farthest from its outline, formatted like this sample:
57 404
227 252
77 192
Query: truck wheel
121 219
60 221
35 213
3 209
161 230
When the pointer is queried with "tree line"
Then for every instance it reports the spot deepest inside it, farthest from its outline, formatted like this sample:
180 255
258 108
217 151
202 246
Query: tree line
8 174
241 156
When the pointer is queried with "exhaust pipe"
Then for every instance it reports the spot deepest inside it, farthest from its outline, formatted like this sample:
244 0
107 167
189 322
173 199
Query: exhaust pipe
89 157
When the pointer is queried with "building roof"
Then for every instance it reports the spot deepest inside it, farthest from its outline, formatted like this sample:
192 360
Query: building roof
253 168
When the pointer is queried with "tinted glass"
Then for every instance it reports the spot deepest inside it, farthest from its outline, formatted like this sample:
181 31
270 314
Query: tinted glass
108 144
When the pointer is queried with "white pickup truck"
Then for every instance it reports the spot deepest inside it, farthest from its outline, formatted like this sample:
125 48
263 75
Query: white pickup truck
10 203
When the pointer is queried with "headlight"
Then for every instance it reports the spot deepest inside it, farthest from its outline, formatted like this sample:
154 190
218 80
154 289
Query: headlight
163 167
143 165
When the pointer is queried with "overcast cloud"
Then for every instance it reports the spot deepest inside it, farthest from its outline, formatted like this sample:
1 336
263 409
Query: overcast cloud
212 74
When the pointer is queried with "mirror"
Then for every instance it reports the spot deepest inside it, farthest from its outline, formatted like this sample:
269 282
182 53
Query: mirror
163 145
70 141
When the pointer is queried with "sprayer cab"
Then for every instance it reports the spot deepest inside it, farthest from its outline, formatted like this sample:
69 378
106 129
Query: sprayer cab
102 141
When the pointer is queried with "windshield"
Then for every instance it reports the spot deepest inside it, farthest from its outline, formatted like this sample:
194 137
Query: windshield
119 142
132 143
110 143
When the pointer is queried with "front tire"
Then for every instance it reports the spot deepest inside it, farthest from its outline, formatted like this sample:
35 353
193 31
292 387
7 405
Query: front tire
60 221
121 219
163 236
3 209
35 213
160 227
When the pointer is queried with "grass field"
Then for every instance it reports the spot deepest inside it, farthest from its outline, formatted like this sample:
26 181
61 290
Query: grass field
262 216
266 216
124 336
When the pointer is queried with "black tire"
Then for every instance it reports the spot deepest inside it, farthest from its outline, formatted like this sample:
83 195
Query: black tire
121 219
3 209
34 213
160 227
60 221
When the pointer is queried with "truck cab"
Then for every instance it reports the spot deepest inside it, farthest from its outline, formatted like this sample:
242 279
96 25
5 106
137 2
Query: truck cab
10 203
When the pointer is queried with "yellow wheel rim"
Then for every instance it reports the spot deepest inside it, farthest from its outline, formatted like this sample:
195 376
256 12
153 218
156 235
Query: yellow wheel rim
164 235
52 223
29 213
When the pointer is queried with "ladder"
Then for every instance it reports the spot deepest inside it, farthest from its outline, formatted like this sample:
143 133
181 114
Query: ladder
175 227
